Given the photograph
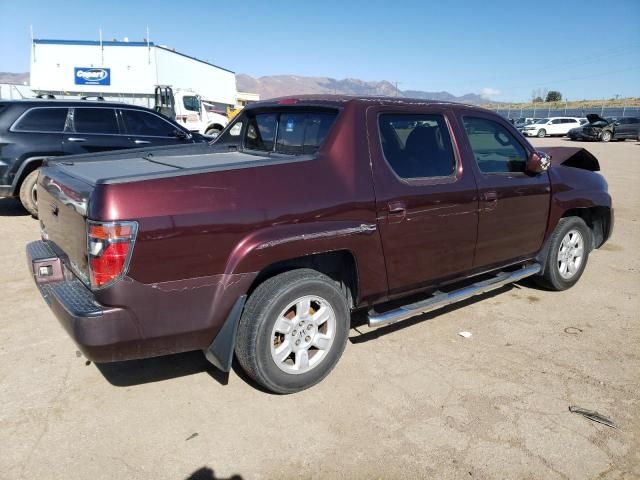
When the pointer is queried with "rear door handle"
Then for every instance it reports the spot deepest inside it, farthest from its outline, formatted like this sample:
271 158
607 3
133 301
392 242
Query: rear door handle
141 142
397 212
491 199
76 139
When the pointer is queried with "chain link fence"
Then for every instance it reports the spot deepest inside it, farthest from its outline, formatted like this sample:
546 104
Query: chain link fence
544 111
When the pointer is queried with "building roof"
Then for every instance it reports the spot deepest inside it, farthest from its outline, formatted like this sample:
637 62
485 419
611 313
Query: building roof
119 43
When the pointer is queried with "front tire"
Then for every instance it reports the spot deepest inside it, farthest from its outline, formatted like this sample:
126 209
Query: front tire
29 193
293 331
213 132
606 136
569 248
541 133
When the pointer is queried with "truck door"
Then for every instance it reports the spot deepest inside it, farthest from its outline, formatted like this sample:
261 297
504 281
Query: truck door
192 113
94 129
514 205
426 200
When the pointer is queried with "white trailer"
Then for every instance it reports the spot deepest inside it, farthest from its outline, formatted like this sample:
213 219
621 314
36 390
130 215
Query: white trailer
124 70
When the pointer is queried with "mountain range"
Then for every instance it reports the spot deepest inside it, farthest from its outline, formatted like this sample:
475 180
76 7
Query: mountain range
283 85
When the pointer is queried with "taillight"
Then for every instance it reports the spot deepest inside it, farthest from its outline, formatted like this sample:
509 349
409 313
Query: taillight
109 248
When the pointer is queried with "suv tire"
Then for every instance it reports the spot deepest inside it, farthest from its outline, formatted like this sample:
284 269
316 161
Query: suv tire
569 248
28 193
275 322
542 133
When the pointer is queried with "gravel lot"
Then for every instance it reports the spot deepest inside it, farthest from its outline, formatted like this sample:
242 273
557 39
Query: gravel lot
412 400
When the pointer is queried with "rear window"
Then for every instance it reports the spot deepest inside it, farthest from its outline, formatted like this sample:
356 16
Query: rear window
42 120
290 133
95 120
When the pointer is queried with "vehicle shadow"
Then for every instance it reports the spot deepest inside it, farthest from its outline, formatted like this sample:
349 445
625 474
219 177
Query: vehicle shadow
206 473
359 319
11 207
158 369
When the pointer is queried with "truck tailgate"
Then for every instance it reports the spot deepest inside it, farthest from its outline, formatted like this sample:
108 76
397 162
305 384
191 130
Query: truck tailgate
62 207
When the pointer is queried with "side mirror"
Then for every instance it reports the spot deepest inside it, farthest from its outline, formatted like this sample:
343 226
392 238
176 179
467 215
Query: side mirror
180 134
538 162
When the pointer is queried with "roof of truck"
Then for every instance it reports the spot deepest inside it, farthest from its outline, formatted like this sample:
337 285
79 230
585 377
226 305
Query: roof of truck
339 100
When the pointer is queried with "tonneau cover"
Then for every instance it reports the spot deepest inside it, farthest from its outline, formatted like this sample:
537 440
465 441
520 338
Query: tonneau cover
149 167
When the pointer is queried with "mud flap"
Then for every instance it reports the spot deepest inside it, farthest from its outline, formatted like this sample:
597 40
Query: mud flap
220 352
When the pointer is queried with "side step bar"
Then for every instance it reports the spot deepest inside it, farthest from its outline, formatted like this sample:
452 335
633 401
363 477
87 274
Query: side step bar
439 300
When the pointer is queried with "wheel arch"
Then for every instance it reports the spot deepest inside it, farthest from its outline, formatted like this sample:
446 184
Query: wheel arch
339 265
214 126
599 220
27 166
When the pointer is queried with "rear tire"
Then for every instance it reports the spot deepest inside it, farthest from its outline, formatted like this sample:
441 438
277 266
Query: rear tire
29 193
569 248
541 133
293 330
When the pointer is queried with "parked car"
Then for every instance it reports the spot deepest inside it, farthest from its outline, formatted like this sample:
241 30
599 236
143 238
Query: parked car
522 122
32 130
310 208
551 126
607 129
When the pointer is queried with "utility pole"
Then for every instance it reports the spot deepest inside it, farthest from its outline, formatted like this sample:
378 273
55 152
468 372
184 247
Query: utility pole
397 91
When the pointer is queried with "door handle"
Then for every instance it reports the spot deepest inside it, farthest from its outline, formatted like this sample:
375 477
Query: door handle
491 199
76 139
141 142
397 212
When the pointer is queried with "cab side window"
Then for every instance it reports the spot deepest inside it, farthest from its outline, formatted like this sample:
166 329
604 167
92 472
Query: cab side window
417 146
494 148
191 103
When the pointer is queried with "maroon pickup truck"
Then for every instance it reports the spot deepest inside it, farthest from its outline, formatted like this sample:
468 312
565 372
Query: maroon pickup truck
302 211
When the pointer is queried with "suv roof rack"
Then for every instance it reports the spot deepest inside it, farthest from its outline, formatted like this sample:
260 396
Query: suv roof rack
48 96
97 97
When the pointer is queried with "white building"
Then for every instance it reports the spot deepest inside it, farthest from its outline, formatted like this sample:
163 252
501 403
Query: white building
124 70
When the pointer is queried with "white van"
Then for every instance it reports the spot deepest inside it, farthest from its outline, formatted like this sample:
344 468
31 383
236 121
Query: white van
551 126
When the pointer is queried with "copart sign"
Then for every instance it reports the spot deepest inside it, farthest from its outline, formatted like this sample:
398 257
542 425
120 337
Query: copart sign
92 76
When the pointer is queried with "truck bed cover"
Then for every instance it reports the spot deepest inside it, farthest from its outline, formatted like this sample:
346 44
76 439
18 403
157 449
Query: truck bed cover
149 167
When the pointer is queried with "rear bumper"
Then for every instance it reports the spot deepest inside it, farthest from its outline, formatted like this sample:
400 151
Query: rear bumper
102 333
150 320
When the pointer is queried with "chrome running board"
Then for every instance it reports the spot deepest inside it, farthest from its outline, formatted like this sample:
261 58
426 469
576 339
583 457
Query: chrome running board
441 299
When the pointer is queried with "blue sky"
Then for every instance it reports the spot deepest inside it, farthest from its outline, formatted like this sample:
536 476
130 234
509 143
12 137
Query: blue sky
503 48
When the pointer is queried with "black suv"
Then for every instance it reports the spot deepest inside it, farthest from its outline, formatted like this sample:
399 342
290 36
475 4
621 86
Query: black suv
32 130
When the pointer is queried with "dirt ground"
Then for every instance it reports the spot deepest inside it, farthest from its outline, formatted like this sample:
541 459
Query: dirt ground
413 400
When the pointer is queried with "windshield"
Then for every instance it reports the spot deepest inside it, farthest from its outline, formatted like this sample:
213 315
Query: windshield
543 120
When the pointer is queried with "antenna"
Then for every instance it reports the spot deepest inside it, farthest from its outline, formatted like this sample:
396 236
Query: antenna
101 48
33 45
